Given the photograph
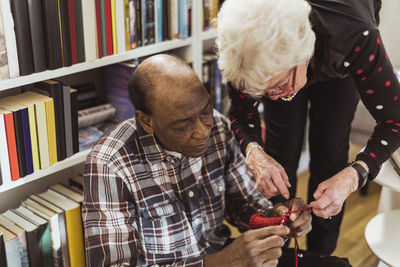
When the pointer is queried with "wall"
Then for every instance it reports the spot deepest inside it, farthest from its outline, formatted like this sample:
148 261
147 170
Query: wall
390 29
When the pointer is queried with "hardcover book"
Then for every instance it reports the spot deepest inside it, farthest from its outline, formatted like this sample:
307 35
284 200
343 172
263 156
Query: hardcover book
37 35
11 247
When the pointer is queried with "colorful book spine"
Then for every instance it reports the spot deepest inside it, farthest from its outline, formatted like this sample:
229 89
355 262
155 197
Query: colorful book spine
98 27
159 20
34 138
72 27
80 43
127 26
51 130
27 140
89 29
114 27
109 34
120 25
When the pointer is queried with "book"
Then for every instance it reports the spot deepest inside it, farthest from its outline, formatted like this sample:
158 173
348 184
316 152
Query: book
8 104
73 224
3 257
115 83
89 29
95 115
20 233
114 27
89 136
165 18
50 125
65 191
20 14
33 237
137 15
11 144
74 120
50 208
11 247
103 27
76 181
10 39
173 19
72 31
120 25
148 22
4 71
158 15
4 159
52 34
44 228
65 32
108 20
79 31
127 26
183 21
98 29
53 221
30 98
54 89
69 148
37 35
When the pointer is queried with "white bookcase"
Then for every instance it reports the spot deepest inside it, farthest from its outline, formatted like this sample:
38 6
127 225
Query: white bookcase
191 48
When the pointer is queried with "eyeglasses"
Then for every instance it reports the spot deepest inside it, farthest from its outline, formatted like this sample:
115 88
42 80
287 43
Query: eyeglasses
254 93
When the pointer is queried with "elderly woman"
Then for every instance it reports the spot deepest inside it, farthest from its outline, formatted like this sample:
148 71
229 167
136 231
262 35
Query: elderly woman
309 58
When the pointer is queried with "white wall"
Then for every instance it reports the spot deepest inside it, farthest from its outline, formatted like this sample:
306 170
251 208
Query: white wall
390 29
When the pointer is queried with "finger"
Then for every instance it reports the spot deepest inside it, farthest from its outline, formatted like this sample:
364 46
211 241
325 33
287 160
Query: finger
280 209
270 230
271 254
324 201
284 176
279 183
320 190
270 187
297 204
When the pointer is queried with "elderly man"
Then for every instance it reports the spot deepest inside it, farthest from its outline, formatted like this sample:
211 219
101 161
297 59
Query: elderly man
158 186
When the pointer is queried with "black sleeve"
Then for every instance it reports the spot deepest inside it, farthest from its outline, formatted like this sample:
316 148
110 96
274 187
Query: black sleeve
379 89
245 119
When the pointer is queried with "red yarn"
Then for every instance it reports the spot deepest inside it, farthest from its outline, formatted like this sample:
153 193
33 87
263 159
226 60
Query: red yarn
259 220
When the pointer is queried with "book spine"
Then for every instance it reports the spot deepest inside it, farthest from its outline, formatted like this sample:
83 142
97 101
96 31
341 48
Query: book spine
43 142
51 131
3 257
34 248
12 252
80 43
72 28
34 138
56 241
98 28
19 139
165 16
109 33
89 29
95 115
20 13
75 237
4 159
143 21
74 120
47 249
27 140
120 25
11 43
138 23
103 27
23 250
127 26
67 121
159 20
52 34
114 27
65 33
183 19
133 24
37 34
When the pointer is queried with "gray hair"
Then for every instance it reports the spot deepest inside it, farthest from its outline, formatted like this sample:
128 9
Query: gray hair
258 39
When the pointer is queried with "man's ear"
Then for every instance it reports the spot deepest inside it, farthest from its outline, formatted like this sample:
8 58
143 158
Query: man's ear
145 121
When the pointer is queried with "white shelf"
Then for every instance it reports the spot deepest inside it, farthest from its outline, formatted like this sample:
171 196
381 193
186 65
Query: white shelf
135 53
76 159
208 35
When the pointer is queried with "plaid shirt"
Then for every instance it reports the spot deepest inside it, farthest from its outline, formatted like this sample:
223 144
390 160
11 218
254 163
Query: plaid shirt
143 206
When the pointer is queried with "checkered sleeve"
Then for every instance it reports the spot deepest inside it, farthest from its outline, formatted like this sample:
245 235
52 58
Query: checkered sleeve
107 211
242 196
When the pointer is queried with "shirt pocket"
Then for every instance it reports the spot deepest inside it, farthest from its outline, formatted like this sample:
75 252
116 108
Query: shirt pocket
165 229
213 197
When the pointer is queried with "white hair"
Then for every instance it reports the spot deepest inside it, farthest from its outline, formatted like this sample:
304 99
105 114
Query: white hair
258 39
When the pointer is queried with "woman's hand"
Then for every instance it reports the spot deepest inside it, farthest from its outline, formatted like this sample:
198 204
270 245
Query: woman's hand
260 247
300 221
331 194
271 178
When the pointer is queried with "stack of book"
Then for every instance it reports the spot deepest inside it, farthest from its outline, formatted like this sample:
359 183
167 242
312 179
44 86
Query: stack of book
38 128
45 230
37 35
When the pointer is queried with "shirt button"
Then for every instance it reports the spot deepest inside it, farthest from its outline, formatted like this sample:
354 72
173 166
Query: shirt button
220 188
191 194
196 221
207 244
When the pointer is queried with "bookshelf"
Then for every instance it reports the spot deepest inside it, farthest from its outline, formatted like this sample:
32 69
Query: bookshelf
191 49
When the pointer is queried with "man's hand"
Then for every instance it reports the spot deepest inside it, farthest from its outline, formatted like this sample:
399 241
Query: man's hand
260 247
331 194
300 221
271 178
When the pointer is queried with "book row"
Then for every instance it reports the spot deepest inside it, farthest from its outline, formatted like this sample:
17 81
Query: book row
38 128
45 230
36 35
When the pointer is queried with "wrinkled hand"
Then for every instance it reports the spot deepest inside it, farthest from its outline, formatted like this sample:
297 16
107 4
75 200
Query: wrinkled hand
300 221
331 194
260 247
271 178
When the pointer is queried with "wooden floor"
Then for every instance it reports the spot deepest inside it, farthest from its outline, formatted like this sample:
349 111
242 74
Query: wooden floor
359 210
